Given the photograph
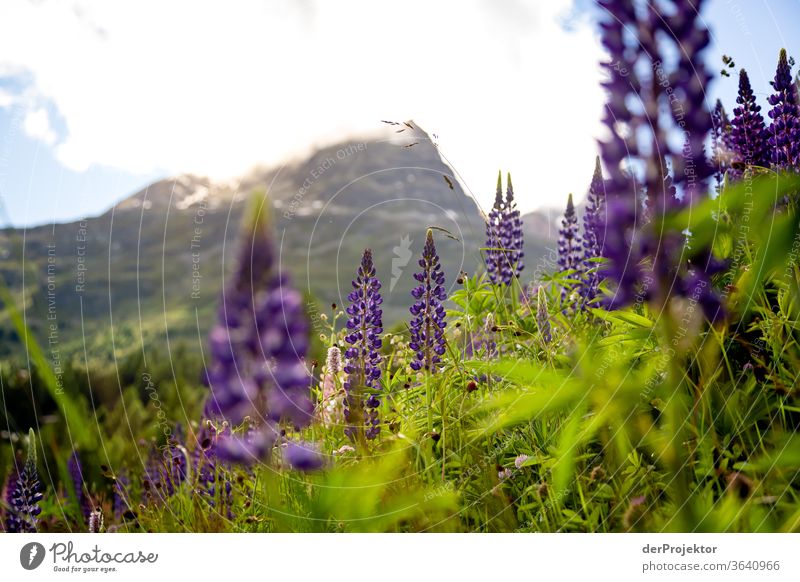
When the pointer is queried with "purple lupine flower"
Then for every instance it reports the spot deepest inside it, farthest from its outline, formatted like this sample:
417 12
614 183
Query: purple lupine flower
303 456
784 132
428 321
495 237
257 349
79 483
155 481
520 460
363 357
543 317
24 495
642 87
569 242
504 237
95 521
748 132
721 142
210 471
592 235
513 232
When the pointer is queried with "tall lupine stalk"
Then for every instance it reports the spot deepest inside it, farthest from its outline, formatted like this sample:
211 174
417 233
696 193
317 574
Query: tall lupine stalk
504 237
748 132
24 494
569 241
514 238
569 247
258 347
75 471
495 227
363 357
644 261
784 132
428 321
592 235
720 143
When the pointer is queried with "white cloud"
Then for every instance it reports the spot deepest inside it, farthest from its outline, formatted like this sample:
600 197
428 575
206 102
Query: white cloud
37 126
214 89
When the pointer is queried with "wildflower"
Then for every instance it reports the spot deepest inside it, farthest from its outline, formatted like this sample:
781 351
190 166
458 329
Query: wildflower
592 234
95 521
331 406
258 349
643 260
303 456
494 236
721 142
505 474
634 513
363 357
24 494
76 475
213 480
569 242
520 460
748 132
343 450
428 321
514 237
504 237
784 132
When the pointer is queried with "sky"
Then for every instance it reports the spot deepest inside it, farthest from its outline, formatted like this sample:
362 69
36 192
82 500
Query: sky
99 98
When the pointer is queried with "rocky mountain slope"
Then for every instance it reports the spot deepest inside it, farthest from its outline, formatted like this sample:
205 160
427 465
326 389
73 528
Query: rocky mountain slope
151 268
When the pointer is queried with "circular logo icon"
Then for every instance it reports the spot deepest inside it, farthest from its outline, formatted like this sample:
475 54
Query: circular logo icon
31 555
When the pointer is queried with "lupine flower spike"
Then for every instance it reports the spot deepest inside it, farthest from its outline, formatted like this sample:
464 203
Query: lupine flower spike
78 482
363 357
748 132
428 316
504 237
784 132
569 242
495 235
514 237
258 350
25 494
721 143
95 521
592 235
667 272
